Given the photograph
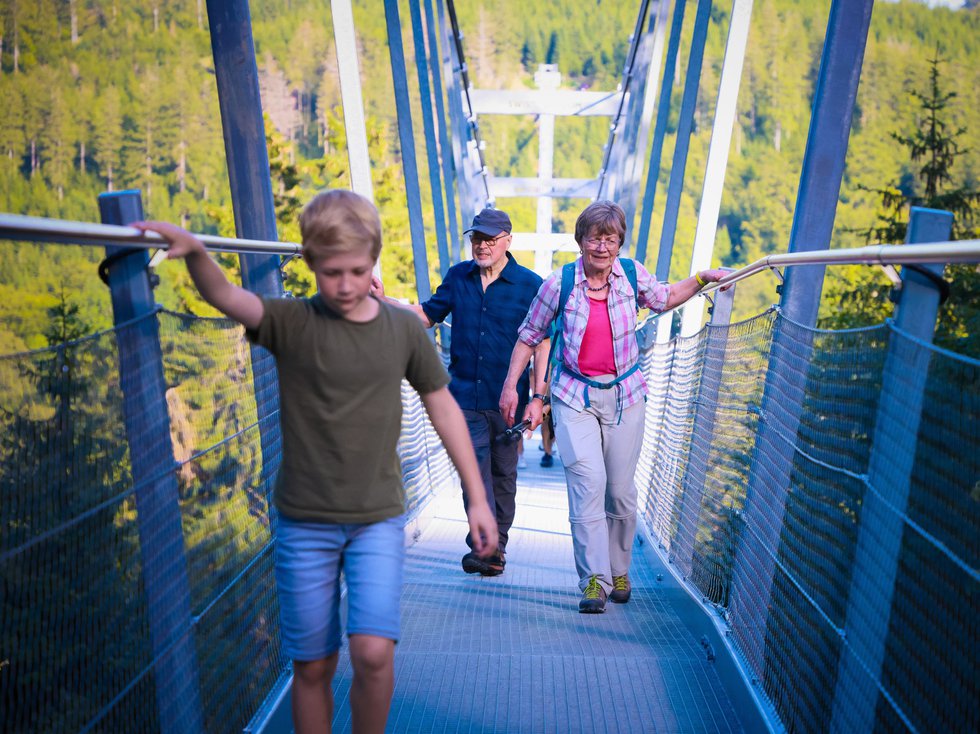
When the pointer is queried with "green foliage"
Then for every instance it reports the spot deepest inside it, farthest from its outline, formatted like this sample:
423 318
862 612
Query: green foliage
127 98
860 297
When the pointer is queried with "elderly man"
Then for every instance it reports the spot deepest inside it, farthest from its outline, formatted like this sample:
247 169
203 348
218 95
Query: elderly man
488 298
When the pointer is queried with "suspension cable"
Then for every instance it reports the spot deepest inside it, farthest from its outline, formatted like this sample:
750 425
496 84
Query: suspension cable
624 88
465 77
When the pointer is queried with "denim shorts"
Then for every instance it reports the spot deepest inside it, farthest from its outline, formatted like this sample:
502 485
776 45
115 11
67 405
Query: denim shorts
309 559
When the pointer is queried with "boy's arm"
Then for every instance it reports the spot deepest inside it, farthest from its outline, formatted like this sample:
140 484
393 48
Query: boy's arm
233 301
450 424
378 291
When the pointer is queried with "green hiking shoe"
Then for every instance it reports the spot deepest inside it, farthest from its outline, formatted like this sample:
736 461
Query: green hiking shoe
593 598
622 589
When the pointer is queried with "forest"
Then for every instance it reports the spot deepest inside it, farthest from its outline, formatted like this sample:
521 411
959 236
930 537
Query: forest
106 95
111 95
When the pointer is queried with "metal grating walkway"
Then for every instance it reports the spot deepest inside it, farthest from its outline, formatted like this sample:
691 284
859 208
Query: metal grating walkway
512 653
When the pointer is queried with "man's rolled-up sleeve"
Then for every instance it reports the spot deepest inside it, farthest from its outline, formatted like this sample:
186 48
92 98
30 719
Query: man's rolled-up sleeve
537 324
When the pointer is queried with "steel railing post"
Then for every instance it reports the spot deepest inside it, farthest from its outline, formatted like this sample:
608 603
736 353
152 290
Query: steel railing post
165 578
893 453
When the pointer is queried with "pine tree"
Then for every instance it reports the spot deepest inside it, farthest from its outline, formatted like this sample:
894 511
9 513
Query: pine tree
933 145
107 135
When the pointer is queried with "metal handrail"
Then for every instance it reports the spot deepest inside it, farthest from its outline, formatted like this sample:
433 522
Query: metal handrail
961 251
41 229
58 231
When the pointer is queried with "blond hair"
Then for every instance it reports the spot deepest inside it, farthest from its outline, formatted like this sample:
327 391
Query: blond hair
338 221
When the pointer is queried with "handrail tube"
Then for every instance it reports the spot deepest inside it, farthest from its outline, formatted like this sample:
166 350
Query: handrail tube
961 251
41 229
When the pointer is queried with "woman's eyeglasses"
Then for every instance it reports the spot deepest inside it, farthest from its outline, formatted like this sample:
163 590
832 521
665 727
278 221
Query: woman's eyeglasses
595 243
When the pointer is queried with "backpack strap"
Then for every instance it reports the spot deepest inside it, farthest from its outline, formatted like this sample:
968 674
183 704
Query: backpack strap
557 322
629 267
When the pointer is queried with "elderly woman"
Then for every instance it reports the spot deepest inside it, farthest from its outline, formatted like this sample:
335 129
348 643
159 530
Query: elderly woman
598 393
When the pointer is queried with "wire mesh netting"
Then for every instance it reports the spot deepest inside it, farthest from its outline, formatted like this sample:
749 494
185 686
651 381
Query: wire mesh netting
786 553
144 600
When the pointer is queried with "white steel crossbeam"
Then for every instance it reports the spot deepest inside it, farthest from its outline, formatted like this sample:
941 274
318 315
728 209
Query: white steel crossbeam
558 102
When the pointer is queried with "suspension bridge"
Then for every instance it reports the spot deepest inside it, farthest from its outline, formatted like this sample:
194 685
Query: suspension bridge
807 559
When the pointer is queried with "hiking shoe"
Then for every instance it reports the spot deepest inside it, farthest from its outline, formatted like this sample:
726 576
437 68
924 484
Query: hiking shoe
547 460
593 598
491 566
622 588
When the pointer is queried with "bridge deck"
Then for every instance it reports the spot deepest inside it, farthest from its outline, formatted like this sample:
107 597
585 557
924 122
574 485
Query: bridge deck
512 653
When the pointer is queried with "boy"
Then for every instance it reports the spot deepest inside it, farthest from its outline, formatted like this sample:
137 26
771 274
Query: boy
341 356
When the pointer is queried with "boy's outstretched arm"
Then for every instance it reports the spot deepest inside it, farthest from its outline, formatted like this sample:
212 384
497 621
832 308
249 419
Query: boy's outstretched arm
233 301
450 424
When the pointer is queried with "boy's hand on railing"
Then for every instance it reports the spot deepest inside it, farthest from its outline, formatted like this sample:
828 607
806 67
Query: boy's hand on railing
181 243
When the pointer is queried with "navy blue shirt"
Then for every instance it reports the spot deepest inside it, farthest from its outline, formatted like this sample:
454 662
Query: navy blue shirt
484 329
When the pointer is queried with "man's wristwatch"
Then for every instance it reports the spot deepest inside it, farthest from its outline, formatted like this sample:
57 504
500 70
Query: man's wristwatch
543 398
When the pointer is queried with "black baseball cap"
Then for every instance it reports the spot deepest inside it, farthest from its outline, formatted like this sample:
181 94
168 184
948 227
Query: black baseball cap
490 222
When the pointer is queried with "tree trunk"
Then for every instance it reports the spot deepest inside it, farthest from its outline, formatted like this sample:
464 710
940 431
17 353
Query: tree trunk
73 10
182 167
81 155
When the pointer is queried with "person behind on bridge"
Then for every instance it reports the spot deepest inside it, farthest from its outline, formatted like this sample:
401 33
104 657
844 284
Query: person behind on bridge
487 297
598 394
341 356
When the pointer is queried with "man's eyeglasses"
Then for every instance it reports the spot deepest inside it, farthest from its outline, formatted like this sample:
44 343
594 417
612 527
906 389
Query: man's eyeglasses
477 240
610 243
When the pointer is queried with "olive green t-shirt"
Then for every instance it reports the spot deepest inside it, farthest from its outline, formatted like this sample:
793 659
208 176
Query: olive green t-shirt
341 406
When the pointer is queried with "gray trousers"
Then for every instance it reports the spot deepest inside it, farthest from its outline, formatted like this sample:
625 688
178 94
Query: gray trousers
600 458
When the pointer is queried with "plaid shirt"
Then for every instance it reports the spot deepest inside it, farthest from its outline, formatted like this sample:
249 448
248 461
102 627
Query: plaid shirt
622 319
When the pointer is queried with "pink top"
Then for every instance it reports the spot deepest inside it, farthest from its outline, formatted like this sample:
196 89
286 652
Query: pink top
595 356
621 305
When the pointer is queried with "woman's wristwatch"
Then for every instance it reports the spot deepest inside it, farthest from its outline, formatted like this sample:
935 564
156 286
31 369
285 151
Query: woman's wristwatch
543 398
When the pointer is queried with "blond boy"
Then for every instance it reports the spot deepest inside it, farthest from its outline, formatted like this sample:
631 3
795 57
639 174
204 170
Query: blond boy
341 356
